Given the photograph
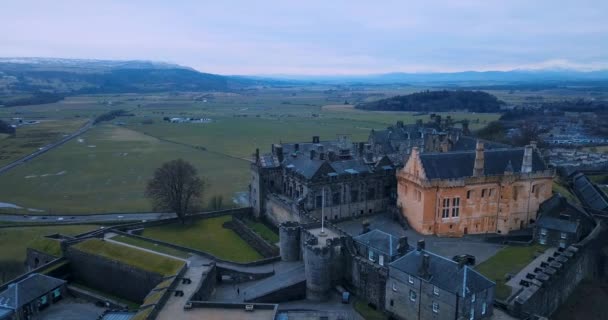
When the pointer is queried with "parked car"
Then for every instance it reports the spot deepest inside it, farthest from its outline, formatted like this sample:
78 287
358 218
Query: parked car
465 258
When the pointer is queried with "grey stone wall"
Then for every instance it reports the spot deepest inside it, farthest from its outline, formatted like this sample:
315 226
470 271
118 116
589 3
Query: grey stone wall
35 258
266 249
588 262
369 281
206 286
111 276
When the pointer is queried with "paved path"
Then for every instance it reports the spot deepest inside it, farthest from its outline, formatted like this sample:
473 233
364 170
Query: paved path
174 307
107 217
46 148
108 237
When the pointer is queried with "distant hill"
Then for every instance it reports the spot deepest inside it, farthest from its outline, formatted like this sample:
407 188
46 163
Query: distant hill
548 77
43 79
437 101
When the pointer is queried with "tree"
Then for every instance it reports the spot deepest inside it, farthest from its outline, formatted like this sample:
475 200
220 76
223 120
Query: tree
176 187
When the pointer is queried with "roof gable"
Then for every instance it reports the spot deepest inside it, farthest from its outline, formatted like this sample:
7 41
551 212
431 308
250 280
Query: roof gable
27 290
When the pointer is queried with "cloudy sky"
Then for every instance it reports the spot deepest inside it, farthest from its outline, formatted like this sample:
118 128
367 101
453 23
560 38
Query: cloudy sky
315 36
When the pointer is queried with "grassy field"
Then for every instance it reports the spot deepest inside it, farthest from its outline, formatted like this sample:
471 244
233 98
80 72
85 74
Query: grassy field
601 180
14 241
508 260
206 235
31 137
151 246
107 171
564 191
137 258
263 231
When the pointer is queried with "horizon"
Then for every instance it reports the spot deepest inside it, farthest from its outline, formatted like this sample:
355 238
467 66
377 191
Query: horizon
316 38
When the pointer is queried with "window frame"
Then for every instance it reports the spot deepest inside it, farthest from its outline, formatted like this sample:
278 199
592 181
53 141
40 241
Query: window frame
435 307
413 296
410 279
436 290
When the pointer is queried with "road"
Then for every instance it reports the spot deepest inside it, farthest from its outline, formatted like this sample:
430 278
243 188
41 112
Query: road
46 148
109 217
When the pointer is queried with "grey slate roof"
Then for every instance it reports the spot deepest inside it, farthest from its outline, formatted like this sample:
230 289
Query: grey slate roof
380 241
27 290
118 315
456 165
554 211
465 143
591 196
444 273
558 224
5 313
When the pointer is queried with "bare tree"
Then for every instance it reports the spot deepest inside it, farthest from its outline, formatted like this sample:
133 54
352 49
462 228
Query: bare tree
176 187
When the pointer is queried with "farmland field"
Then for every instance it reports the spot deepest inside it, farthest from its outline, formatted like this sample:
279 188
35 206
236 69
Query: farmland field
106 169
31 137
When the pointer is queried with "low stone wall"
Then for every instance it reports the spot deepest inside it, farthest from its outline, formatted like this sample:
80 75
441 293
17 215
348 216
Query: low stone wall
199 252
588 262
368 280
266 249
167 294
206 286
94 297
111 276
35 258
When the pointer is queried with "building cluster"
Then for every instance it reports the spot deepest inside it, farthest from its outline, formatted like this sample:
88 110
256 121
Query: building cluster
560 157
441 182
404 282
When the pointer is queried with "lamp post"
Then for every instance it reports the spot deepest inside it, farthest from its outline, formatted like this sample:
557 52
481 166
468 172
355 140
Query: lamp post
322 233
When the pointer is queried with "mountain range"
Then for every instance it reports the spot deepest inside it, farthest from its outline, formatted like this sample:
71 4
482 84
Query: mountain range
44 77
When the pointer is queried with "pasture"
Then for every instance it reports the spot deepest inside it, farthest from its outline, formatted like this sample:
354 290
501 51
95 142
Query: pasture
106 169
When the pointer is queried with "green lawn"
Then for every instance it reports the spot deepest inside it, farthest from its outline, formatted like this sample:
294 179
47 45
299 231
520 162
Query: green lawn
14 241
134 257
108 171
564 191
263 231
601 180
206 235
508 260
151 246
367 312
47 245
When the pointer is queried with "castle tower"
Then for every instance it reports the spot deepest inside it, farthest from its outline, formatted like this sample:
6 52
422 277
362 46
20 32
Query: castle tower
317 267
289 241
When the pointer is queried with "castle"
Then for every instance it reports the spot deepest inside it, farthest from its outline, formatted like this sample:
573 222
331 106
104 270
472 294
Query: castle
443 183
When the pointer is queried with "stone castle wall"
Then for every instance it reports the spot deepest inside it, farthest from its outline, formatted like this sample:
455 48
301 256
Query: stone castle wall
588 262
111 276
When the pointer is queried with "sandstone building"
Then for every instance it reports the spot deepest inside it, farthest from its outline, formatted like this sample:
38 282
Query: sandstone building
472 192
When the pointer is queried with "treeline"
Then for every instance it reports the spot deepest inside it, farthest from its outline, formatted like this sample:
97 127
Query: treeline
6 128
109 116
438 101
37 98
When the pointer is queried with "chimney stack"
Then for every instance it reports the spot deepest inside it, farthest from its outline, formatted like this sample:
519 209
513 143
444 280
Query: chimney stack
403 246
360 149
479 160
365 227
526 165
315 139
296 147
420 244
312 154
257 155
321 155
425 270
278 151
